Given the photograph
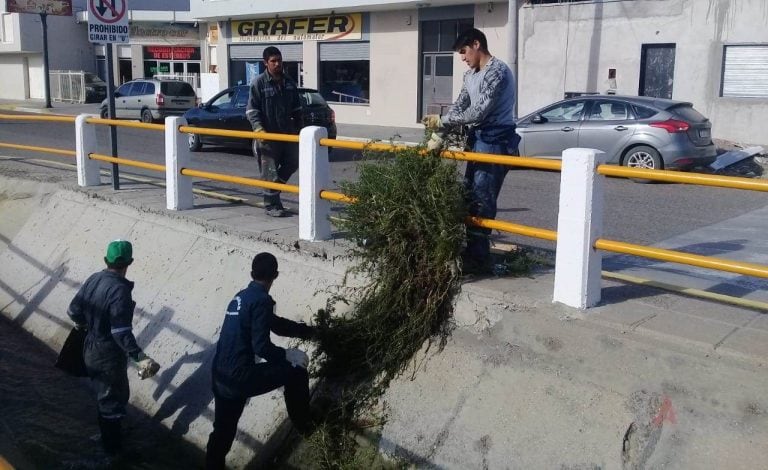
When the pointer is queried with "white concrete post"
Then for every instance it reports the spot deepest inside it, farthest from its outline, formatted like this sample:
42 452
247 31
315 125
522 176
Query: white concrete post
579 224
88 171
178 188
314 176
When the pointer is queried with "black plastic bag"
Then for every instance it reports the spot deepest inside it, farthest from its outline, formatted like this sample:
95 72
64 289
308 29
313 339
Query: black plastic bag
70 358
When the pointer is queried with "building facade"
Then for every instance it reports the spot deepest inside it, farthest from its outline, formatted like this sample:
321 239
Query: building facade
162 42
21 52
396 64
712 53
388 63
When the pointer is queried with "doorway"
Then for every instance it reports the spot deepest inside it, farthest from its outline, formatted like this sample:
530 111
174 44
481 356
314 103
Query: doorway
437 83
657 70
126 71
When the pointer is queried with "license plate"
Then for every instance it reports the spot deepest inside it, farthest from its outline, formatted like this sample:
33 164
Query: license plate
704 133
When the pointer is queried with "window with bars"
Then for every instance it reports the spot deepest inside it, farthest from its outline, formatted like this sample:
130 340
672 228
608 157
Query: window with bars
745 71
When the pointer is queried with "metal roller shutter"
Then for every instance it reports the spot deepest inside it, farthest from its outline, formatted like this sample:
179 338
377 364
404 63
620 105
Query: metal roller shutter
292 52
745 73
341 51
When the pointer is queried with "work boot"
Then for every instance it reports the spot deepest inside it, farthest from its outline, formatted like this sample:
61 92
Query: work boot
111 435
276 211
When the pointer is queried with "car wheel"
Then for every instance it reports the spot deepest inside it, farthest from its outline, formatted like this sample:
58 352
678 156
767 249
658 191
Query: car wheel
194 143
146 116
643 157
104 113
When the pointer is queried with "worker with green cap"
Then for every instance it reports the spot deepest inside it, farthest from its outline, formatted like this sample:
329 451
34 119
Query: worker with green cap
104 307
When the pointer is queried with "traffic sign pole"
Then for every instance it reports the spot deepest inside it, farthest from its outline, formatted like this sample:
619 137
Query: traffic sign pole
112 129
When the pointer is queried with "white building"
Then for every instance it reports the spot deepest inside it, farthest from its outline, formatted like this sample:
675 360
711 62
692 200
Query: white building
163 42
388 62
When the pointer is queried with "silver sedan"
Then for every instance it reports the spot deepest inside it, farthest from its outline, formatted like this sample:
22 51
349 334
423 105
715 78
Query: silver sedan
634 131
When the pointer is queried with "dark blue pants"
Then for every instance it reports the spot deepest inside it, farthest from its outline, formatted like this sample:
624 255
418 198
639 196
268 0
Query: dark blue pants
230 401
483 182
107 367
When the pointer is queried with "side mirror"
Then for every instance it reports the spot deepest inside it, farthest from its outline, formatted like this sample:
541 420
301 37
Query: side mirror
538 119
118 94
201 105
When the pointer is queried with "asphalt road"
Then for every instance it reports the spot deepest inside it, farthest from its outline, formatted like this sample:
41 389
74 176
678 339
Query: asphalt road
637 213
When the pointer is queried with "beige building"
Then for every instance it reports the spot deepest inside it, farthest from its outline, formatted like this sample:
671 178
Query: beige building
397 64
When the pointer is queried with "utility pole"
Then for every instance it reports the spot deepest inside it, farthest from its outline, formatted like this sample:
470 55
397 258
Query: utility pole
46 73
512 33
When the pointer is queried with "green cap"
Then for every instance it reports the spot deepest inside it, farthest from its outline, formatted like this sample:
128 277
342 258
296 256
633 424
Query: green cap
119 253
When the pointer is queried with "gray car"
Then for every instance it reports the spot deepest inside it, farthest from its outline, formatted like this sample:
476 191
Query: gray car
634 131
149 99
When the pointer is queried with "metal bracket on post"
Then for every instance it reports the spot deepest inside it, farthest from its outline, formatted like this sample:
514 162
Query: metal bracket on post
178 188
314 176
88 171
579 223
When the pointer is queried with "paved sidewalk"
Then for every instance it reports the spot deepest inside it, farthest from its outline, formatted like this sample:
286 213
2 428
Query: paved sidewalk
410 135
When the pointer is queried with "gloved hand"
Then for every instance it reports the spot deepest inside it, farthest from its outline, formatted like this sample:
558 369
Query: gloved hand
435 142
432 121
147 366
297 357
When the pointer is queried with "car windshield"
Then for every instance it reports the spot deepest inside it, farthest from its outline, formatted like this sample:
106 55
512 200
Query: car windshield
93 79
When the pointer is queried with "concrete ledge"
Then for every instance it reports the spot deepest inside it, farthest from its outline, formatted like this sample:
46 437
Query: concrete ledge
522 383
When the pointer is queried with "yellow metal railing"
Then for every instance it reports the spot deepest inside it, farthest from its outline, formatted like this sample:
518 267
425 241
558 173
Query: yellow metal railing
240 134
127 162
33 148
733 182
289 188
132 124
710 262
26 117
748 269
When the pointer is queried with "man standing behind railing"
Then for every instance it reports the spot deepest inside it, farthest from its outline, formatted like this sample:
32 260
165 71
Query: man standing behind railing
273 100
485 105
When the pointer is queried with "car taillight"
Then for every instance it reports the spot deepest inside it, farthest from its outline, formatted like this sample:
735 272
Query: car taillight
672 126
160 99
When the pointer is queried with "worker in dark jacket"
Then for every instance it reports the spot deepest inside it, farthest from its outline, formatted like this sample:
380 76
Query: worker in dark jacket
273 101
247 364
104 307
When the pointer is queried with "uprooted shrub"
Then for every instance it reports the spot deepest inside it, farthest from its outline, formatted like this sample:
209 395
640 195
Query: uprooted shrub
407 226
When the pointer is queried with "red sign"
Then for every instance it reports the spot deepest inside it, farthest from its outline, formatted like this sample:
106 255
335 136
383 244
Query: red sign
49 7
172 52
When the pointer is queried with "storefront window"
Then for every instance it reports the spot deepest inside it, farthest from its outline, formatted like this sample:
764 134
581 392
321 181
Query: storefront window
345 72
345 82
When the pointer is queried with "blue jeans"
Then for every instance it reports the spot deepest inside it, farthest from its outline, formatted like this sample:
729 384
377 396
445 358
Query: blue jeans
483 182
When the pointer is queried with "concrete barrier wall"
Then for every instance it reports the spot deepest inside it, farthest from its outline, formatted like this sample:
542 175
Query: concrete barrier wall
53 239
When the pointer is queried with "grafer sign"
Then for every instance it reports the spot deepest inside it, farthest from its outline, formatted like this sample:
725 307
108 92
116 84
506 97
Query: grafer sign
49 7
312 28
108 21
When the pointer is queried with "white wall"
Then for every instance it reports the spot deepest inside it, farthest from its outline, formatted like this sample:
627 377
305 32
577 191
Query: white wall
36 82
570 47
234 9
394 74
13 73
